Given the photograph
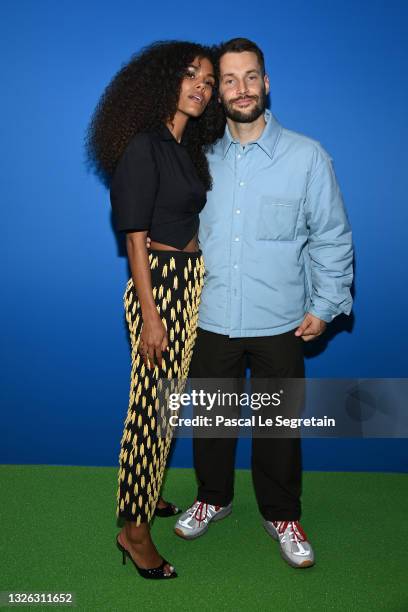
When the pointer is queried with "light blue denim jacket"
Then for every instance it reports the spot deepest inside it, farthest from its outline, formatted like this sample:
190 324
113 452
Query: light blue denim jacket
275 235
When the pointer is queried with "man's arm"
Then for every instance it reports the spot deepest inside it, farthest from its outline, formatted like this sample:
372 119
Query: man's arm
330 247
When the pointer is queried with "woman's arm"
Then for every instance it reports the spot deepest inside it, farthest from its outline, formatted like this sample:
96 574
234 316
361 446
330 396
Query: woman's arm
153 338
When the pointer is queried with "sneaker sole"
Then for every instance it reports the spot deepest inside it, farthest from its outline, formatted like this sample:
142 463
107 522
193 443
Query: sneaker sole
304 564
218 517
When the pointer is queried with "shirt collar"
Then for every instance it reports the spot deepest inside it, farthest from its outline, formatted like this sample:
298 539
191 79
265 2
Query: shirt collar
165 134
266 141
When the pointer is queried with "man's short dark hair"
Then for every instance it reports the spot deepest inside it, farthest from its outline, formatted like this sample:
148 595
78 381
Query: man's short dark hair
237 45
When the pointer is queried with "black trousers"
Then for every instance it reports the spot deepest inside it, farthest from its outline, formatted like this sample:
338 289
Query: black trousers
276 462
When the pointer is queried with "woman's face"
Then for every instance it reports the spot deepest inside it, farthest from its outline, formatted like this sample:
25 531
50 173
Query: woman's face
196 87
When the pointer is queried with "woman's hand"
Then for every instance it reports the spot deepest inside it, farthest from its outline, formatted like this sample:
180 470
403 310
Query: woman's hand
153 340
153 337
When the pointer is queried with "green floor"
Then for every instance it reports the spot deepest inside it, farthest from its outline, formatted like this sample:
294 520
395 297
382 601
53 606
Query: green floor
58 529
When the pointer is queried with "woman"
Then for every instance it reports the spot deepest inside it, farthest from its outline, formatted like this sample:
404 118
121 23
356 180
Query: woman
147 140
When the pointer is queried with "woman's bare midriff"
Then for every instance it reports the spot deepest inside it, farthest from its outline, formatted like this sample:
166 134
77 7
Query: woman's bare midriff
189 248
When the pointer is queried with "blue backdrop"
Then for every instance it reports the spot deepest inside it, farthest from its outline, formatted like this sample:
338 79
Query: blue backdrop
338 73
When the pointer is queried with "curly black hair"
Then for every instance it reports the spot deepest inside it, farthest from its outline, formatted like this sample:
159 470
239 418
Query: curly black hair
143 95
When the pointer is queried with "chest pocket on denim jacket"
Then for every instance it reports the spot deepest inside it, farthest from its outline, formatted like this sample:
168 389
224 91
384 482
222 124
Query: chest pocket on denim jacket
277 219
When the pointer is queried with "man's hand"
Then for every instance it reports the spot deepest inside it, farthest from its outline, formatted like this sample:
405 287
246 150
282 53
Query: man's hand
148 241
310 328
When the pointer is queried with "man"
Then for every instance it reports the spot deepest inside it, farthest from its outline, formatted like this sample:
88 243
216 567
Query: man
278 253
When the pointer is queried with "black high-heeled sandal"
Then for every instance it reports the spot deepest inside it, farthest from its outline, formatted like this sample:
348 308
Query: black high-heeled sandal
169 510
154 573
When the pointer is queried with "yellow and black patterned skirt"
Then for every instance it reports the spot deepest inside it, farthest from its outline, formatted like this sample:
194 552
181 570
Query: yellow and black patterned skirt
177 280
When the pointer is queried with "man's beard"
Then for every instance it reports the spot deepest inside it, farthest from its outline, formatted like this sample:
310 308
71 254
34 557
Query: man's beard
241 116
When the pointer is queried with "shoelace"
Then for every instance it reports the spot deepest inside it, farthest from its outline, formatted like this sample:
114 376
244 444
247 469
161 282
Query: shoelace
198 515
295 529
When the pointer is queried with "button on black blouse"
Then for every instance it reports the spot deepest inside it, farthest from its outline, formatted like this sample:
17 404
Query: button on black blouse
155 187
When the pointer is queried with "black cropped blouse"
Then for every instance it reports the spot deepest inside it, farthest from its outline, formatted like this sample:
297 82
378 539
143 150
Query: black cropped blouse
155 187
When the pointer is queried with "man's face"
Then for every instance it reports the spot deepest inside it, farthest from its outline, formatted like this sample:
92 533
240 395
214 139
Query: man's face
242 89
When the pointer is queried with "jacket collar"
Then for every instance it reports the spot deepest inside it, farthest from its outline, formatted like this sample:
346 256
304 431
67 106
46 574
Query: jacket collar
267 140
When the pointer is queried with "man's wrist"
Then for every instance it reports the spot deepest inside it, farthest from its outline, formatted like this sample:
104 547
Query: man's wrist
325 316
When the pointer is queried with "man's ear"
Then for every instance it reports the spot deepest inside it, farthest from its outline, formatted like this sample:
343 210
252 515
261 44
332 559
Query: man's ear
267 84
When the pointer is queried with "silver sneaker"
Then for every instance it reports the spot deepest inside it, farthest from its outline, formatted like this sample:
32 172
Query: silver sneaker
294 547
195 521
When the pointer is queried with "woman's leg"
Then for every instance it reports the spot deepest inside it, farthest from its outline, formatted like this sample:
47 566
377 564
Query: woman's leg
137 540
177 283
